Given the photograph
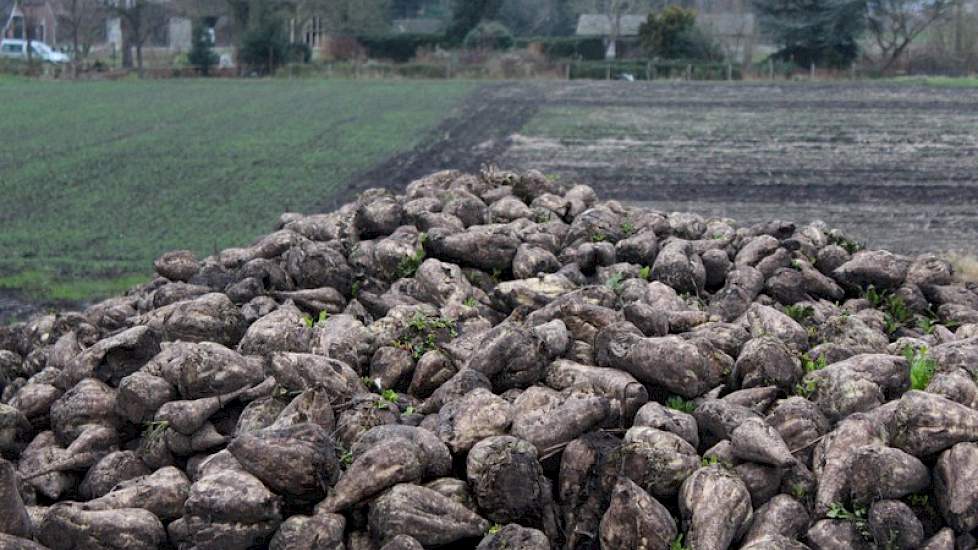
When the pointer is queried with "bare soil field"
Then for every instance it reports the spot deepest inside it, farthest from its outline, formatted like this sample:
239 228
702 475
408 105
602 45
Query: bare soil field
895 164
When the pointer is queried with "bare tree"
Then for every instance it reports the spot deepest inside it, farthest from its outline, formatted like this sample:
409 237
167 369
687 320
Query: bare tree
347 16
613 10
138 20
895 24
83 20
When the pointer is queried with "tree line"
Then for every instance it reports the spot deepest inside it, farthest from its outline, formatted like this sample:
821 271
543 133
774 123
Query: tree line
827 33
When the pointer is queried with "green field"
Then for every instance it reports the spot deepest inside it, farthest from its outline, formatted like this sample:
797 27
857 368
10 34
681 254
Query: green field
98 178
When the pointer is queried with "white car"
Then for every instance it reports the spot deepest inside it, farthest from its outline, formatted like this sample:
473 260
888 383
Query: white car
17 49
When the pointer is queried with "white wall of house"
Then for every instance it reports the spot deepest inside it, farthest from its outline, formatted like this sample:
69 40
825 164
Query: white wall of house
180 34
113 33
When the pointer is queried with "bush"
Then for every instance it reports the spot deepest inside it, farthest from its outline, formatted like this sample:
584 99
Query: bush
672 34
823 32
202 53
696 44
489 35
398 47
343 48
569 47
468 14
264 46
299 52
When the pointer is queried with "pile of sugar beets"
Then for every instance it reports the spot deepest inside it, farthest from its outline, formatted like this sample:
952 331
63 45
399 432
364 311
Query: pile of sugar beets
502 361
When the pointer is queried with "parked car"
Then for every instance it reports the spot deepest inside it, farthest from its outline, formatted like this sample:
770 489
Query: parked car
17 49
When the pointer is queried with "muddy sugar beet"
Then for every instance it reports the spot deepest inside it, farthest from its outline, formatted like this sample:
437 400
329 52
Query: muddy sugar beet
502 361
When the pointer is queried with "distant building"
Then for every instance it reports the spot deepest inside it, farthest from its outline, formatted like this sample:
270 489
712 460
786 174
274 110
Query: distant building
33 18
599 25
735 32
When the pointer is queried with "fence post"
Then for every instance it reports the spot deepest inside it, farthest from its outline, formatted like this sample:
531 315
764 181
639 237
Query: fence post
567 71
689 72
729 72
813 72
852 71
770 69
648 70
607 73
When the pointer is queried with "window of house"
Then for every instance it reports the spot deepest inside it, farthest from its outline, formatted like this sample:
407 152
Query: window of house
314 32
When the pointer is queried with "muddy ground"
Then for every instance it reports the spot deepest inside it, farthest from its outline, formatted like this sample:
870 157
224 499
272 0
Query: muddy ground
894 164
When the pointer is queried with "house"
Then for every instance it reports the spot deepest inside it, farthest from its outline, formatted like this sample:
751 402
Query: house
600 25
736 33
35 19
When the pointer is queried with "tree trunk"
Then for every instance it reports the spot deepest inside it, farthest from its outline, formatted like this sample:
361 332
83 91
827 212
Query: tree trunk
959 29
614 26
74 52
126 43
29 36
894 56
139 59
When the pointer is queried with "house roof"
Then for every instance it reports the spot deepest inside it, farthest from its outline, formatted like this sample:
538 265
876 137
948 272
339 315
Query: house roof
598 24
6 10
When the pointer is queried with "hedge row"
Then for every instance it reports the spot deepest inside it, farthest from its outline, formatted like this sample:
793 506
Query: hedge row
566 47
403 47
399 47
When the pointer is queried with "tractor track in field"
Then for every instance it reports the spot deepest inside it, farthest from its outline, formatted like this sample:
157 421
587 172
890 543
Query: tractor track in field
479 134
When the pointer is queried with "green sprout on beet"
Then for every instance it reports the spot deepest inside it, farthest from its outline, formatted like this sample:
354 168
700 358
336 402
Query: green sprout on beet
677 403
677 543
922 367
799 312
